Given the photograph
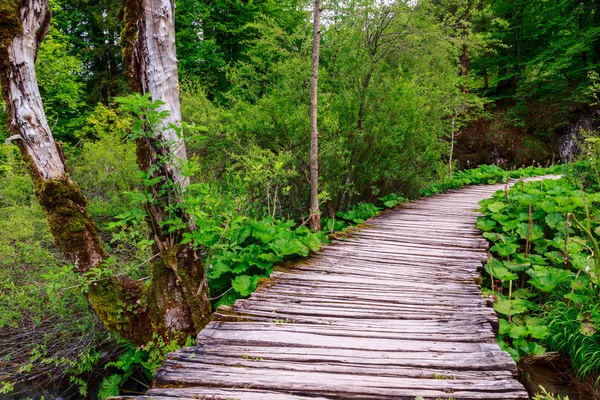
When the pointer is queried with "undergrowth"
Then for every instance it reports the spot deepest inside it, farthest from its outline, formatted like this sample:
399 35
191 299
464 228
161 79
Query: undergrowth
544 272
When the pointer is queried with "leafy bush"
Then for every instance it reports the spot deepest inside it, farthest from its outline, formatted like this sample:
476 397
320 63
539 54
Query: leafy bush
247 250
487 175
545 273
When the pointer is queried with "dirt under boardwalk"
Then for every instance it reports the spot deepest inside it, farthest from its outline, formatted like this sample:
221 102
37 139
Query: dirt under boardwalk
391 312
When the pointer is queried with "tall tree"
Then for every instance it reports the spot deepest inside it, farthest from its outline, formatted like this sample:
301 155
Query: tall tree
179 278
175 304
315 217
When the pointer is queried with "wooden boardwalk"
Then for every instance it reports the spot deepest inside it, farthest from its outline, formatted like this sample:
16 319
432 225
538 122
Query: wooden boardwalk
392 312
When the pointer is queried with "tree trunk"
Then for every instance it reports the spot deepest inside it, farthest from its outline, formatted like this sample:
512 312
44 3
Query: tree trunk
451 158
465 65
465 56
179 282
315 216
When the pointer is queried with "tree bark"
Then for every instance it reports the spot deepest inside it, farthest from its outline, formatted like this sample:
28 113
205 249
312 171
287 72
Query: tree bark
315 216
179 282
451 158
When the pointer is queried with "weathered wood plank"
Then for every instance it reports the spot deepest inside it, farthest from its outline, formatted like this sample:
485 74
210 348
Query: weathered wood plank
326 384
482 361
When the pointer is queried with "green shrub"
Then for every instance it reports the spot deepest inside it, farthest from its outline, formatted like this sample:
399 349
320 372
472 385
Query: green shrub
544 273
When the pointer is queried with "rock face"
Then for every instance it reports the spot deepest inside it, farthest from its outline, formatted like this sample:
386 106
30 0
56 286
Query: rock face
569 141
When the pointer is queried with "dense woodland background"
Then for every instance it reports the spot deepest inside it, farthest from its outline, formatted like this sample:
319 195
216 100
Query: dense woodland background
499 82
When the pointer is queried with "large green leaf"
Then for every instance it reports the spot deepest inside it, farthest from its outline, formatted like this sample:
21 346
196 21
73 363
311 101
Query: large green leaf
504 327
514 353
526 198
518 331
496 207
536 349
547 279
549 206
111 386
536 328
243 284
532 232
504 249
270 257
265 235
577 298
217 269
555 221
517 265
485 224
311 241
510 225
510 307
555 257
240 266
288 247
495 268
501 218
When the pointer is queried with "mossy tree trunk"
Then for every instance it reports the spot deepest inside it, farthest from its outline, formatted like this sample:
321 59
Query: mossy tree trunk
179 279
176 303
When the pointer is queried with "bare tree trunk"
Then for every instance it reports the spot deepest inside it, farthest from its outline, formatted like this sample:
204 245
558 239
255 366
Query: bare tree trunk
315 216
179 282
451 158
465 57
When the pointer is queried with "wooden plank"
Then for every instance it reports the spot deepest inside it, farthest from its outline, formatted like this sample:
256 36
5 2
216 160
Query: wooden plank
480 335
216 394
342 368
340 385
478 361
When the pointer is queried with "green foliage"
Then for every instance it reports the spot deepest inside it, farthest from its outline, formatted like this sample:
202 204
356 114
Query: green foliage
543 273
539 58
213 35
241 250
388 90
573 326
487 175
91 29
144 360
264 177
545 395
244 251
58 75
48 327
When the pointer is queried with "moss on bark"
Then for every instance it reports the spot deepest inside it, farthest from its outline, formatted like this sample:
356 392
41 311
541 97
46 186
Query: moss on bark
72 229
10 23
129 33
121 306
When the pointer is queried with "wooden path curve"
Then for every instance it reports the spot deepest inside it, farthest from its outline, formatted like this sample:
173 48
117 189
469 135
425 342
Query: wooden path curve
392 312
